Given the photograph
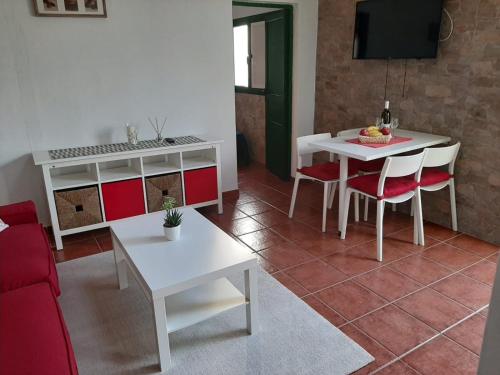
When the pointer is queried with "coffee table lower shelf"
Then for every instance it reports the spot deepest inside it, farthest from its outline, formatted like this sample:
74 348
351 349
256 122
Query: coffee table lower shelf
200 303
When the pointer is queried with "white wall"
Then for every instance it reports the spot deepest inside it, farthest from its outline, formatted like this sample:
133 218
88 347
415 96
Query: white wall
305 34
75 81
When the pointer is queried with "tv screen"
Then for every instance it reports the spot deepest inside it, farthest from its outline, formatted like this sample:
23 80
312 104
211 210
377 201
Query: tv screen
397 29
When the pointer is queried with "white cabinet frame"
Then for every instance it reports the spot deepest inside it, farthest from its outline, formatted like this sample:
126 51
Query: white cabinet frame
121 166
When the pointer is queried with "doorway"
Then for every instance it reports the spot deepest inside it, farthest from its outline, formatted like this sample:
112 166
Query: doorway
263 36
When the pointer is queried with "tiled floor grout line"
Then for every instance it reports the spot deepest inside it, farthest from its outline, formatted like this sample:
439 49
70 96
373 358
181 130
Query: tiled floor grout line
369 222
297 243
269 187
468 251
350 278
474 312
409 294
289 196
439 334
323 257
299 220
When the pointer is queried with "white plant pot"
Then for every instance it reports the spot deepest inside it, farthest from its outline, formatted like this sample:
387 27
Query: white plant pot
173 233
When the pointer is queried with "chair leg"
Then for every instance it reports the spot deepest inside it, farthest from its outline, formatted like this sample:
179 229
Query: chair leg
346 214
416 235
332 195
367 201
419 217
453 203
356 207
294 196
394 207
380 229
326 195
412 209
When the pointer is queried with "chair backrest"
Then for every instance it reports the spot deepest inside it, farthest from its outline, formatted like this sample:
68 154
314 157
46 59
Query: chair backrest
399 166
304 145
439 156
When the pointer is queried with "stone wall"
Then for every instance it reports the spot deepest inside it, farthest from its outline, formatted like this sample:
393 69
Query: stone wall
457 94
251 121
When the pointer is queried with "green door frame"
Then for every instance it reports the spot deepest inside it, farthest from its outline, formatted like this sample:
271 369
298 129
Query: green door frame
289 74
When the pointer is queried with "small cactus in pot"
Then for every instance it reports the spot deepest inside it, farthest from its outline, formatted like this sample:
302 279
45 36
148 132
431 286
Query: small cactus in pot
173 220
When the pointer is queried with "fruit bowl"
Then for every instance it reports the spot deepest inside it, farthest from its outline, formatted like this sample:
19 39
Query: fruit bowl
379 139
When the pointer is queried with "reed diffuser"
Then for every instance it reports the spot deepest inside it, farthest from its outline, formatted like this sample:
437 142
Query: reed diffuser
157 128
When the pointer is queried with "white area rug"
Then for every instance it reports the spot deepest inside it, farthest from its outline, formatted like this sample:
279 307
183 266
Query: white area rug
112 331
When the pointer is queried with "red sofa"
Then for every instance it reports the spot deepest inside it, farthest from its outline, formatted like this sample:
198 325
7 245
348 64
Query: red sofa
33 335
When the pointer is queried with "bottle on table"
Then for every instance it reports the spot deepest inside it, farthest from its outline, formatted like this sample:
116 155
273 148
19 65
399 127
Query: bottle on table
386 115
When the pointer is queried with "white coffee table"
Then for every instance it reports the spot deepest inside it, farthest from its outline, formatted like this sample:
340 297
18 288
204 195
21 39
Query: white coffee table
185 280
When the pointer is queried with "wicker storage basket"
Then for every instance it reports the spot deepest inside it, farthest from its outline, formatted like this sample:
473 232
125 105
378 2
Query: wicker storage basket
379 139
78 207
159 187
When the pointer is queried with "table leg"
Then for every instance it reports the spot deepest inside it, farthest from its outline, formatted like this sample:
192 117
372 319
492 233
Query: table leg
342 186
160 319
251 297
121 266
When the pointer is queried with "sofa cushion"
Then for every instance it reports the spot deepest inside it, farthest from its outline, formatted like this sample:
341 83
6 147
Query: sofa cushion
393 186
19 213
34 338
26 258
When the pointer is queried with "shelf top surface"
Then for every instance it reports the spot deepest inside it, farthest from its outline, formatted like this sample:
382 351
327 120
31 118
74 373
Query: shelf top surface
118 149
203 252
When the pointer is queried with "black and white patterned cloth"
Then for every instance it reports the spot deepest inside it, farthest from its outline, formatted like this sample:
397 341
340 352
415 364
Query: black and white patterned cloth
67 153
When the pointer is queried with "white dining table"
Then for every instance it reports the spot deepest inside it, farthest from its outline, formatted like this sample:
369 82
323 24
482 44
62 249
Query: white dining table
345 150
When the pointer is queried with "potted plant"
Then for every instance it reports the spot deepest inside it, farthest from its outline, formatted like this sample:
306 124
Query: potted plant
172 221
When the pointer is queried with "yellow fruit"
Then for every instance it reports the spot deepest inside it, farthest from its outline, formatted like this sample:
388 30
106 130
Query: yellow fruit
370 128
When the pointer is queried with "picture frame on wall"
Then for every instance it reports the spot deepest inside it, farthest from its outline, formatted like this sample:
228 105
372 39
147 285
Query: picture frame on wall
70 8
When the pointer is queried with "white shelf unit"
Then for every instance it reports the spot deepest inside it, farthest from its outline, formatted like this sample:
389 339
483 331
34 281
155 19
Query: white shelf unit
119 170
161 164
97 170
197 159
74 176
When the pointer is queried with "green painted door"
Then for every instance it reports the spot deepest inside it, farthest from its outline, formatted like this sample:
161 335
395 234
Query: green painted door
278 93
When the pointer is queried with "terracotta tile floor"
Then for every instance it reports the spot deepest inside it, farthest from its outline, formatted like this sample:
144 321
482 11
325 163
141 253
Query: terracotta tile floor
420 311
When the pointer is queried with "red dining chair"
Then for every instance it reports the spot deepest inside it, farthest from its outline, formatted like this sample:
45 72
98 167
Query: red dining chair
433 178
395 184
326 173
364 167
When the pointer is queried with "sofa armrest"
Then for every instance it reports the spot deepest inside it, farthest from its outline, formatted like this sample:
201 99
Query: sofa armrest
19 213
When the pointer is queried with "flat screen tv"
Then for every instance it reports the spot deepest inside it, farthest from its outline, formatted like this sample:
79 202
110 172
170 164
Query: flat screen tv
397 29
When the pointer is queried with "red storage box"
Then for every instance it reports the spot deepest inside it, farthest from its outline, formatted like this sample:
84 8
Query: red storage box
200 185
123 199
